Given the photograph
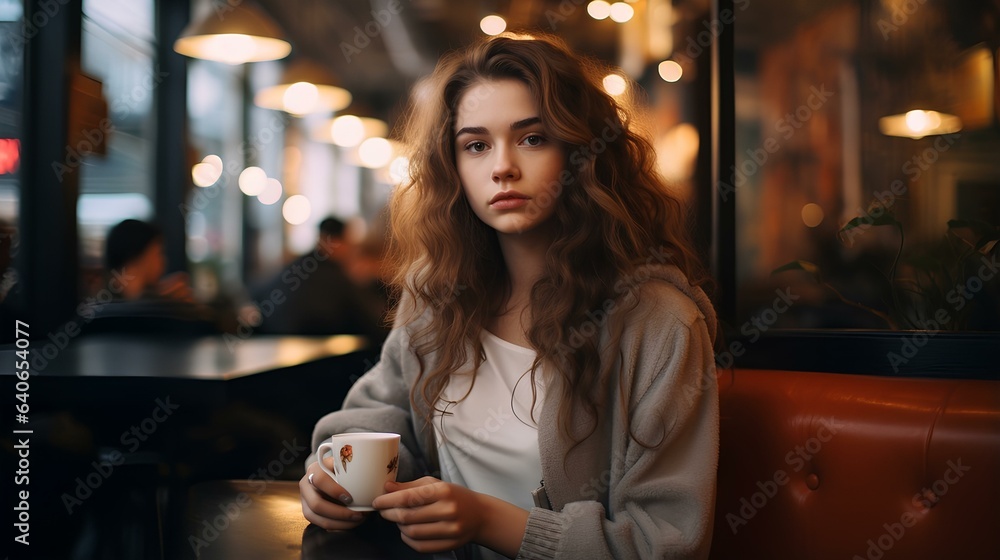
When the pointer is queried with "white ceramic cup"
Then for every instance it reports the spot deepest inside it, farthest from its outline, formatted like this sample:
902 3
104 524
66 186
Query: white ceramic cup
362 463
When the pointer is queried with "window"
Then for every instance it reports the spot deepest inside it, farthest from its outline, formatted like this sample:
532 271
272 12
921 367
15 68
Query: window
866 146
118 49
11 69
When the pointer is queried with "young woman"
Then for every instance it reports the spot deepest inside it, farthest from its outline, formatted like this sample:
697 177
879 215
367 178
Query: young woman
551 369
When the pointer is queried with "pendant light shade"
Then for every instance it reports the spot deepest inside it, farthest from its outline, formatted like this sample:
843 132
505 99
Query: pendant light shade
351 127
919 123
234 35
306 87
349 130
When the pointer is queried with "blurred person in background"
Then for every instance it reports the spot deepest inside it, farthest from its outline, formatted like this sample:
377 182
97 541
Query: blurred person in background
138 297
315 294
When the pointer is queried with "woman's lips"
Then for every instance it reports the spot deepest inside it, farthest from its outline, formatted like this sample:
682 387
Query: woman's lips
509 203
508 200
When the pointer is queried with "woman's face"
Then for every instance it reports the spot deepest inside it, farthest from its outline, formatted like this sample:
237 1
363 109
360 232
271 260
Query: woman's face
508 165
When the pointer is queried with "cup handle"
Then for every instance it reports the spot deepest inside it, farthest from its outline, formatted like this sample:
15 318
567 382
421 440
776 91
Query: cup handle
319 453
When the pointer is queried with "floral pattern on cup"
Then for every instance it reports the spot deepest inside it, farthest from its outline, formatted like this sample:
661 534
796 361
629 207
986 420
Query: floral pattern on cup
346 455
392 464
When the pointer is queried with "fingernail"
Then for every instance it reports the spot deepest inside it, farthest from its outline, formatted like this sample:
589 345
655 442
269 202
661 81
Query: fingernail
345 499
357 517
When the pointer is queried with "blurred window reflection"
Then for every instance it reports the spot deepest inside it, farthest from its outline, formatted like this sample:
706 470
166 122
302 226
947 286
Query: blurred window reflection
11 109
214 213
11 98
118 46
847 150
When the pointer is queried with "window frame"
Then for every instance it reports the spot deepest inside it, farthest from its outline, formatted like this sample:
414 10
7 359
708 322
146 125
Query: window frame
920 354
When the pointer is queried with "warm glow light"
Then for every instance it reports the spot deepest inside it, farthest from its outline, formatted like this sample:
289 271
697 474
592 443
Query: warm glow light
919 123
296 209
493 25
271 192
204 175
242 32
670 71
347 131
208 171
300 98
916 121
232 48
215 161
375 152
621 12
599 9
399 170
812 214
252 181
614 84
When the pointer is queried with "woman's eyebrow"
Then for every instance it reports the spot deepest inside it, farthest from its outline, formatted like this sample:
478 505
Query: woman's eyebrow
525 123
471 130
516 125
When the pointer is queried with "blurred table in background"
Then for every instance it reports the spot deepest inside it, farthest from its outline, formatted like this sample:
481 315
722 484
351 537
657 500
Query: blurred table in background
249 520
124 425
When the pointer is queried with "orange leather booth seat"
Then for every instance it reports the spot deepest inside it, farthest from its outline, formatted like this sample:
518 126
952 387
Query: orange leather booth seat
830 466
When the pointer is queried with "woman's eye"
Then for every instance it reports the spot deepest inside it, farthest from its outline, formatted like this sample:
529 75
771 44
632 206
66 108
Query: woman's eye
476 147
534 140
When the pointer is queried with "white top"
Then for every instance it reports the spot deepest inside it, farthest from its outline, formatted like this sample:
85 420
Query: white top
489 441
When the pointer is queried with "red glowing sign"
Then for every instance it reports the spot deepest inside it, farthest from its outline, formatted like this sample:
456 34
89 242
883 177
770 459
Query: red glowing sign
10 155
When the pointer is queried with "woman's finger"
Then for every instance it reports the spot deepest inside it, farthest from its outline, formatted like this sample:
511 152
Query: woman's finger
411 496
437 511
326 485
429 546
448 530
328 523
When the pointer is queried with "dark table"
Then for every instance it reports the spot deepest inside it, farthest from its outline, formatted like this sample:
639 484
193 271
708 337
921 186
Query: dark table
171 357
246 520
124 425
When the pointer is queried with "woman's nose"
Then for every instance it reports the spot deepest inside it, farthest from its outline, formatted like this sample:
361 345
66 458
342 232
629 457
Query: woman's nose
505 167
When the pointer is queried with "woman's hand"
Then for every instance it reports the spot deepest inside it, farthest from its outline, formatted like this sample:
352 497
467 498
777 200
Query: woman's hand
434 516
323 500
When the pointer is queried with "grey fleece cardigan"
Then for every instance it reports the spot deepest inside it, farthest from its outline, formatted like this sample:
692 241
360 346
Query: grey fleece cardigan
613 497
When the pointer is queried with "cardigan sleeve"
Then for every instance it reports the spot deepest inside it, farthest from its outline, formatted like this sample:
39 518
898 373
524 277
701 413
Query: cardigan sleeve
661 498
380 402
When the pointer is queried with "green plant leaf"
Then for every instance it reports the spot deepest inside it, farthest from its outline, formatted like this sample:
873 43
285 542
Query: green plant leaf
805 266
988 239
885 219
978 226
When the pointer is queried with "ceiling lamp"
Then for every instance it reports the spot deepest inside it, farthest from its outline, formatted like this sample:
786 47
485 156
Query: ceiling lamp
493 25
599 9
306 87
234 35
375 152
614 84
919 123
670 70
350 130
621 12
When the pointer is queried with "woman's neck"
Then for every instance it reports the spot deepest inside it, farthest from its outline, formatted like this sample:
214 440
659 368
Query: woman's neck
524 255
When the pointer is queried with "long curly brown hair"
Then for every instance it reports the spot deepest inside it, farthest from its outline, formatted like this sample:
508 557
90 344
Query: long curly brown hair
612 211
